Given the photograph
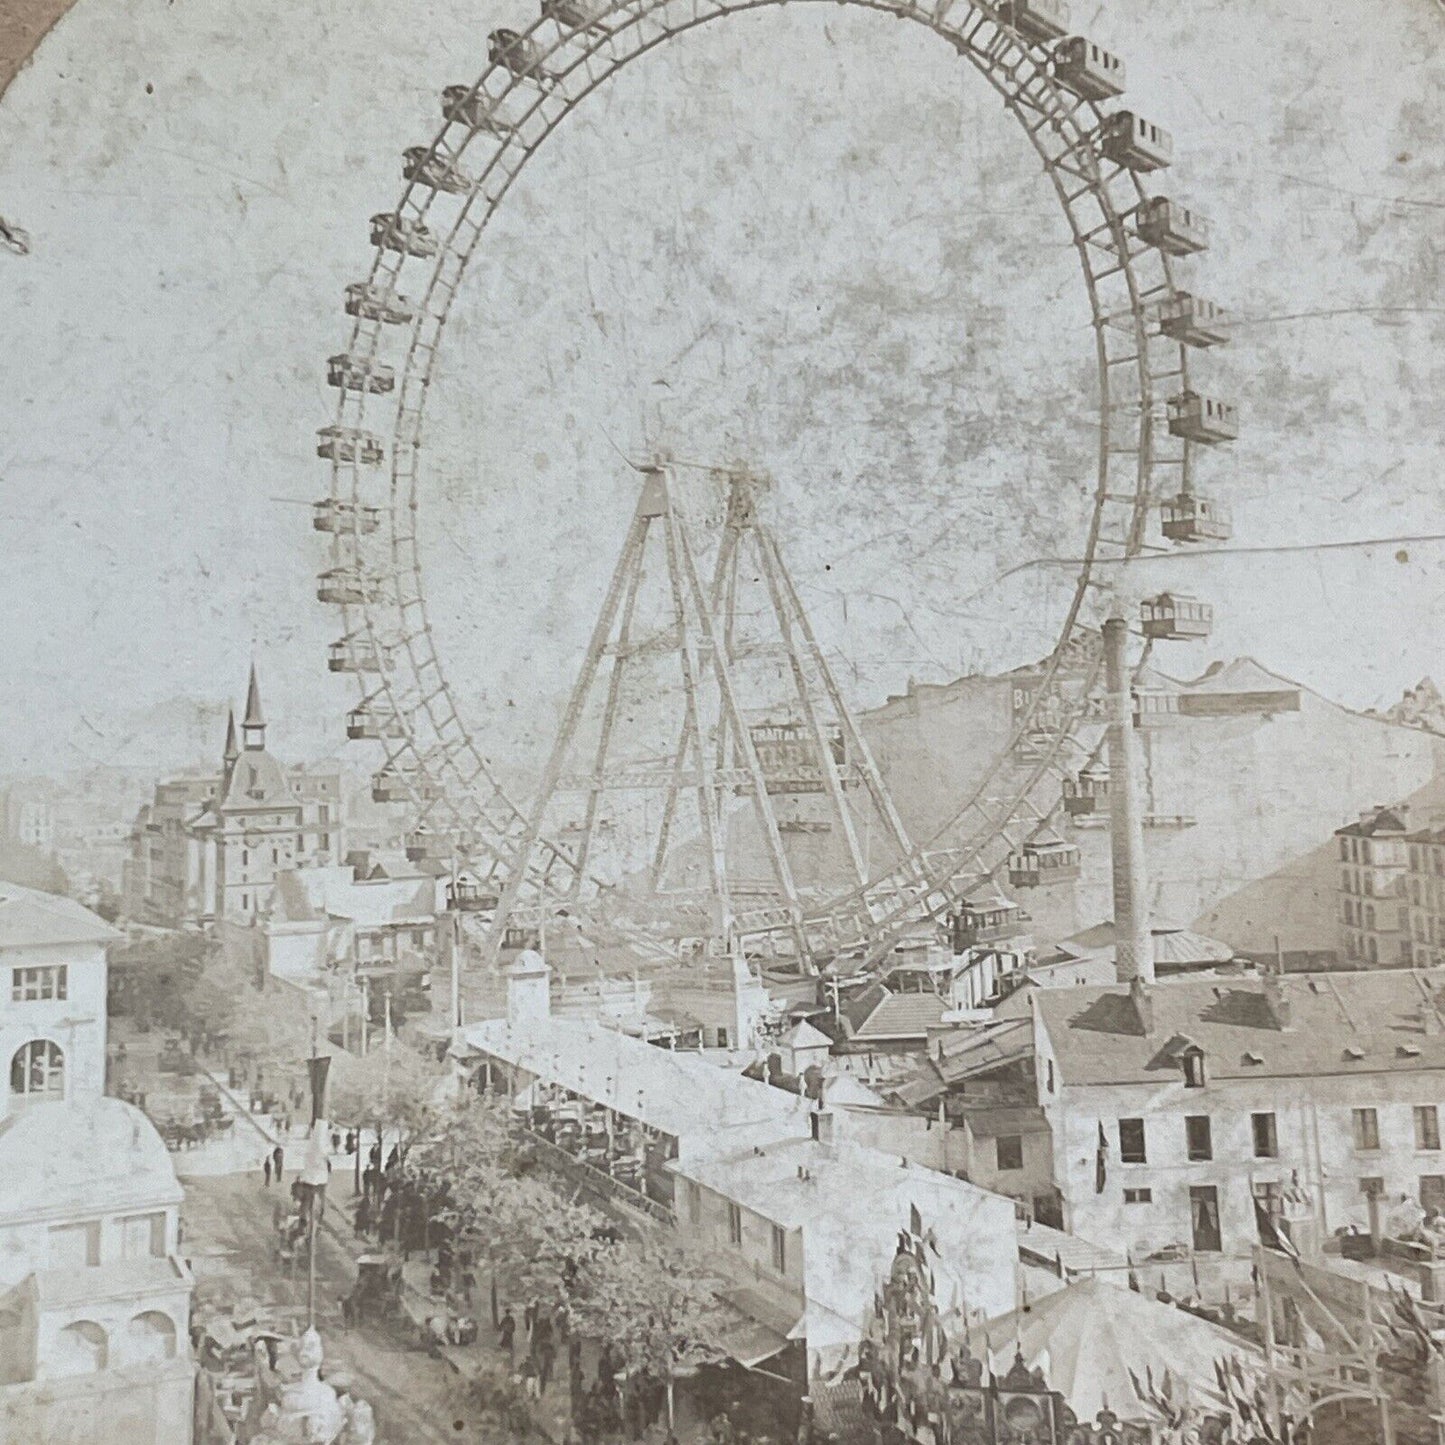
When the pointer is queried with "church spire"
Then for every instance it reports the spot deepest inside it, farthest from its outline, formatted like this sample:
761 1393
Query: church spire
233 751
253 725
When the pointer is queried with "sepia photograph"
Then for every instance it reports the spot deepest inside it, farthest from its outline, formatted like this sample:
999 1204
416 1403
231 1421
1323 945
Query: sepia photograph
743 749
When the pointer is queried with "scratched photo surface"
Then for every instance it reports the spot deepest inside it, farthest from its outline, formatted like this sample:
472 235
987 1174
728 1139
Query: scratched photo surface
793 792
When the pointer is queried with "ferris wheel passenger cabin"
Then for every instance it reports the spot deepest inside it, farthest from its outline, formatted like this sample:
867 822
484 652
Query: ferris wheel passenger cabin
571 15
1136 144
402 234
1174 229
349 444
356 652
346 586
984 921
1193 320
425 845
1036 20
1199 418
377 303
1043 862
425 167
1174 617
1087 794
1090 71
473 108
465 894
514 51
1188 517
359 373
371 722
331 514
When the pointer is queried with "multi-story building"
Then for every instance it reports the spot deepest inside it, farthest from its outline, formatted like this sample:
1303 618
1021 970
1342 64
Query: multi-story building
210 848
1373 914
1426 890
94 1301
1174 1107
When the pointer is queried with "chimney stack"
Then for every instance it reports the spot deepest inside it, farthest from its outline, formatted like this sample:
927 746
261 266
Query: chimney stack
822 1126
1277 1001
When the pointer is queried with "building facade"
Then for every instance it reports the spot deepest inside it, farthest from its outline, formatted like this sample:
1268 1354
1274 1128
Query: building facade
210 848
1175 1108
1373 899
1425 884
94 1300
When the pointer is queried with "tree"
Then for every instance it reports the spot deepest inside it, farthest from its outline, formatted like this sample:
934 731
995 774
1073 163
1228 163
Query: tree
393 1088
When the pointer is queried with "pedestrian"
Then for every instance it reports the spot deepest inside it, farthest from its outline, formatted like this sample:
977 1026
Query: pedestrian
278 1157
266 1170
528 1374
529 1319
507 1329
336 1141
546 1358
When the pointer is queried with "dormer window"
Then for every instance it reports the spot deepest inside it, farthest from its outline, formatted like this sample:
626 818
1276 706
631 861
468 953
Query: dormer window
1192 1062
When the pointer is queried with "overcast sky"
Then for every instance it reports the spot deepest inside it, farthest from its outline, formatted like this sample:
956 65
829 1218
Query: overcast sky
807 238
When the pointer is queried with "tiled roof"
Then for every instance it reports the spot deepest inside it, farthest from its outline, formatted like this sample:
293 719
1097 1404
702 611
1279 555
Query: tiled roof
897 1015
1379 1021
32 919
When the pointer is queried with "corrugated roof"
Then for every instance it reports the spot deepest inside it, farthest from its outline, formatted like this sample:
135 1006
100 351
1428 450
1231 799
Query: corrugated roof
1380 1016
32 919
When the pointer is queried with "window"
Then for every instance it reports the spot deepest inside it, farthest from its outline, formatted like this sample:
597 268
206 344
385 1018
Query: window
1131 1141
1367 1129
1193 1061
1138 1196
1010 1150
694 1202
1427 1126
1197 1137
75 1246
735 1224
37 1070
780 1250
143 1236
30 985
1344 847
1432 1191
1051 1076
1266 1139
722 1038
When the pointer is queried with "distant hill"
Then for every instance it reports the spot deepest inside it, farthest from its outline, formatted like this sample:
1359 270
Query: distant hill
31 868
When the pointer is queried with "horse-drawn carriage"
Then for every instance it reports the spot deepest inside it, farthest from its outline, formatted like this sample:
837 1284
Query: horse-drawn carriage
377 1293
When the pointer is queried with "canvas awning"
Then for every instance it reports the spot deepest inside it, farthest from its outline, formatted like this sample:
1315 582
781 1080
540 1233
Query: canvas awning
751 1330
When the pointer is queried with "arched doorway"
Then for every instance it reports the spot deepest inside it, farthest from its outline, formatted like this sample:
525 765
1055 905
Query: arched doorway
37 1071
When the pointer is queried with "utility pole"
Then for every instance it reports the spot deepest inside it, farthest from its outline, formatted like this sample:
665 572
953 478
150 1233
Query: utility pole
1133 943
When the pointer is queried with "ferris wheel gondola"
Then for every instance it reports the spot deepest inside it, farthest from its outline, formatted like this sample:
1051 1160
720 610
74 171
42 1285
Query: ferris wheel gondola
1153 421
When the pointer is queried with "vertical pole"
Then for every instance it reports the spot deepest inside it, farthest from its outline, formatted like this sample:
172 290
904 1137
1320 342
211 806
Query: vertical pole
1133 945
311 1212
456 979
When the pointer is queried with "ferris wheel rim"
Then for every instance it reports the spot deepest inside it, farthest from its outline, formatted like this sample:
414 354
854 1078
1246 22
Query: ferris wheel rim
426 695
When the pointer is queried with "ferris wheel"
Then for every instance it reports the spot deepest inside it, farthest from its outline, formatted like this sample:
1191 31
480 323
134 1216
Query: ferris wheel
1154 424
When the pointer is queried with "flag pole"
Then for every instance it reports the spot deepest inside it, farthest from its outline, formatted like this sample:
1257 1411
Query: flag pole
311 1203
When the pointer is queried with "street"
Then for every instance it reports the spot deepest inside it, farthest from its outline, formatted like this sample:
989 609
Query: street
230 1241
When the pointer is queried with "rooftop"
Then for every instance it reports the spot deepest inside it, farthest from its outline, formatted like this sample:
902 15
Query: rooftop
680 1093
82 1158
1371 1022
31 919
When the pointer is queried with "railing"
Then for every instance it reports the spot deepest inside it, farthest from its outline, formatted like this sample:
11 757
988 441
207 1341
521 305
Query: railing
599 1178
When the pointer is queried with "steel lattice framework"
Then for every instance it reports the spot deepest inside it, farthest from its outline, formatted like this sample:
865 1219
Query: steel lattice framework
454 185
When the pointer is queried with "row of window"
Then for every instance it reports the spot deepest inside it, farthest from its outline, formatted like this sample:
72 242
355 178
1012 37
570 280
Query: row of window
48 981
1199 1135
779 1240
1423 862
77 1246
1385 851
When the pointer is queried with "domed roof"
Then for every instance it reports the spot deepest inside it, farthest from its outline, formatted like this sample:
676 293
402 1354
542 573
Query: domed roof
98 1155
